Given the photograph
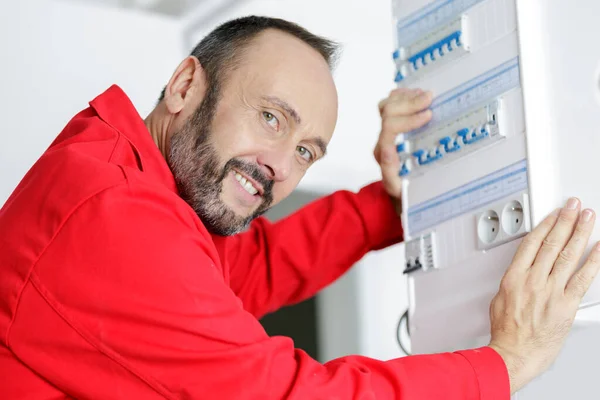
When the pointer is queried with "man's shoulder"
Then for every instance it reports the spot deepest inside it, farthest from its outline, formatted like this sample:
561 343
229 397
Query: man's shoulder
75 167
86 158
89 160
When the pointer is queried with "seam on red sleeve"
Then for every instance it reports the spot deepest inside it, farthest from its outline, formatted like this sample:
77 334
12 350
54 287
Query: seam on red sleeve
492 376
58 229
106 351
476 375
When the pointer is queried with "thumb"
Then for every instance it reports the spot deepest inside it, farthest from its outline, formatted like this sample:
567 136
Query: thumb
390 171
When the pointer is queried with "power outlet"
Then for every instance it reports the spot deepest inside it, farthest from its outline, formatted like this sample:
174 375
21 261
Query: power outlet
503 222
488 226
420 253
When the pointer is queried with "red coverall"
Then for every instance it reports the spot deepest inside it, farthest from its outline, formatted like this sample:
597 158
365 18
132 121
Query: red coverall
112 288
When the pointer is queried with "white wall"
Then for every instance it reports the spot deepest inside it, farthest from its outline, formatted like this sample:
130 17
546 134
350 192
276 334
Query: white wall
574 375
58 55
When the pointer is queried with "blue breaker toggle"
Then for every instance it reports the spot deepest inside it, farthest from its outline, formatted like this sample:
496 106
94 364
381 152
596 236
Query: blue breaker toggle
472 136
399 77
430 159
446 143
404 170
436 46
423 157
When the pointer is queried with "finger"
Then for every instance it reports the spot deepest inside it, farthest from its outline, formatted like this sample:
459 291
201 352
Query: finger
400 91
390 172
377 153
556 240
401 94
378 150
569 257
580 282
395 93
406 105
390 127
530 245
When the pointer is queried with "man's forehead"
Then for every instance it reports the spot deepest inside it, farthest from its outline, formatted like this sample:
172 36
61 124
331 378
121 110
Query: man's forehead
278 51
285 71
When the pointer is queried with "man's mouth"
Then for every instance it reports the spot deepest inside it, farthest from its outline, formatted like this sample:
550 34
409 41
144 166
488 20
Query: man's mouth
246 184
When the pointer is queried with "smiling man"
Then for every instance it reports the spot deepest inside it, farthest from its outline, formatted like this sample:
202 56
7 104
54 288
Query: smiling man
124 274
267 113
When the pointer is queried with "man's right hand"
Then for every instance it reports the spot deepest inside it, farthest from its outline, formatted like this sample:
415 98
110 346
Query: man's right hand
540 293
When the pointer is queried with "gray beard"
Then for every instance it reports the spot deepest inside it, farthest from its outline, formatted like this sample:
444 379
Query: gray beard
199 175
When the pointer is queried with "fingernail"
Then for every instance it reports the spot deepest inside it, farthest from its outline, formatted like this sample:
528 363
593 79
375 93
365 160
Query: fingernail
426 113
572 203
587 215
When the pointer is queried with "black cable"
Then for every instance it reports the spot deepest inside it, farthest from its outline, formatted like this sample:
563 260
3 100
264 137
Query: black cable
398 335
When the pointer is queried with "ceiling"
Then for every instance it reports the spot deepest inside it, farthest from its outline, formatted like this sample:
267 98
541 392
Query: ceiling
173 8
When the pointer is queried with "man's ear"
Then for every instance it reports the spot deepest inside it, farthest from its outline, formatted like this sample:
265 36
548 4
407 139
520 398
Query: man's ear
186 86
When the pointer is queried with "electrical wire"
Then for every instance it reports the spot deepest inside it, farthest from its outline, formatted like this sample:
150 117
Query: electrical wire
403 318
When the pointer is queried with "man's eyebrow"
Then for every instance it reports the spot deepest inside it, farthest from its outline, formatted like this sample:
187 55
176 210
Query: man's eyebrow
285 106
320 143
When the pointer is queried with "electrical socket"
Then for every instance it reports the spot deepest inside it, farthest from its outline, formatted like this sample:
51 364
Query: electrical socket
488 226
503 221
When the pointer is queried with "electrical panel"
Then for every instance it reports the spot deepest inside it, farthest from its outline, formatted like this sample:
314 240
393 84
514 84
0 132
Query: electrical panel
489 165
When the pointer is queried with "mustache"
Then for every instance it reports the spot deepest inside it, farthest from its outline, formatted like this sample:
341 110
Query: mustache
253 171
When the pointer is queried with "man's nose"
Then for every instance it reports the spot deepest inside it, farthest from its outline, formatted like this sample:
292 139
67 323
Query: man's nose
276 162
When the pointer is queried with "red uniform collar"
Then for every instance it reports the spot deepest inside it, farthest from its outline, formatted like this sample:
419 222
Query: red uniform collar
116 109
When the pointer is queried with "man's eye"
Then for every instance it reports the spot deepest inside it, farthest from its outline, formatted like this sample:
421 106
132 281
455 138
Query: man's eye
305 153
271 119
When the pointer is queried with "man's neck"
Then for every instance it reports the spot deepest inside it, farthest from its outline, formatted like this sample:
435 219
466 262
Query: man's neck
158 128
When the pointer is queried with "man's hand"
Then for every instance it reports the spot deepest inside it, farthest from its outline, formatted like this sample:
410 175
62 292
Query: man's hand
403 111
540 293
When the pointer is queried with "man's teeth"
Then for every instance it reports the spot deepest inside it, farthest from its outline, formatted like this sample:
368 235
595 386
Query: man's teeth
245 184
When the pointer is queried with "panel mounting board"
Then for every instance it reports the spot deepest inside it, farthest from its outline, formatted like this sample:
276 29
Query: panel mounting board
511 138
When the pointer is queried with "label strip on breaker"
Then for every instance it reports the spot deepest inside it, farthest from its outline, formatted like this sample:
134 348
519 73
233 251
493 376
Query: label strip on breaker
426 19
472 93
467 198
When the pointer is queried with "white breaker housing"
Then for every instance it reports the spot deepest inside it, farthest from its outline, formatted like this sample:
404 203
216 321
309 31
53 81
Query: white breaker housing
466 33
452 139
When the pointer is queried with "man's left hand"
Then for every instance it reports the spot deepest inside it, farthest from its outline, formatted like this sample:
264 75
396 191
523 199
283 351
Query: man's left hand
402 111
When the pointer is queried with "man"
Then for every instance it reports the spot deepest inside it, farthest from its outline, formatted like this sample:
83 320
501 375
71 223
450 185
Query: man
123 276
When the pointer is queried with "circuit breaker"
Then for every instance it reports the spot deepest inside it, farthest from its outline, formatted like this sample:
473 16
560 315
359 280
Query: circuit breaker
497 156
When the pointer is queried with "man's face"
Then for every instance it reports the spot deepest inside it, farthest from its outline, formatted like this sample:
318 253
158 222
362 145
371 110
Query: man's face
246 148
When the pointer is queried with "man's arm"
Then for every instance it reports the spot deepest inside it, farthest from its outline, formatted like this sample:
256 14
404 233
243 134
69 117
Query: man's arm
129 301
273 265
